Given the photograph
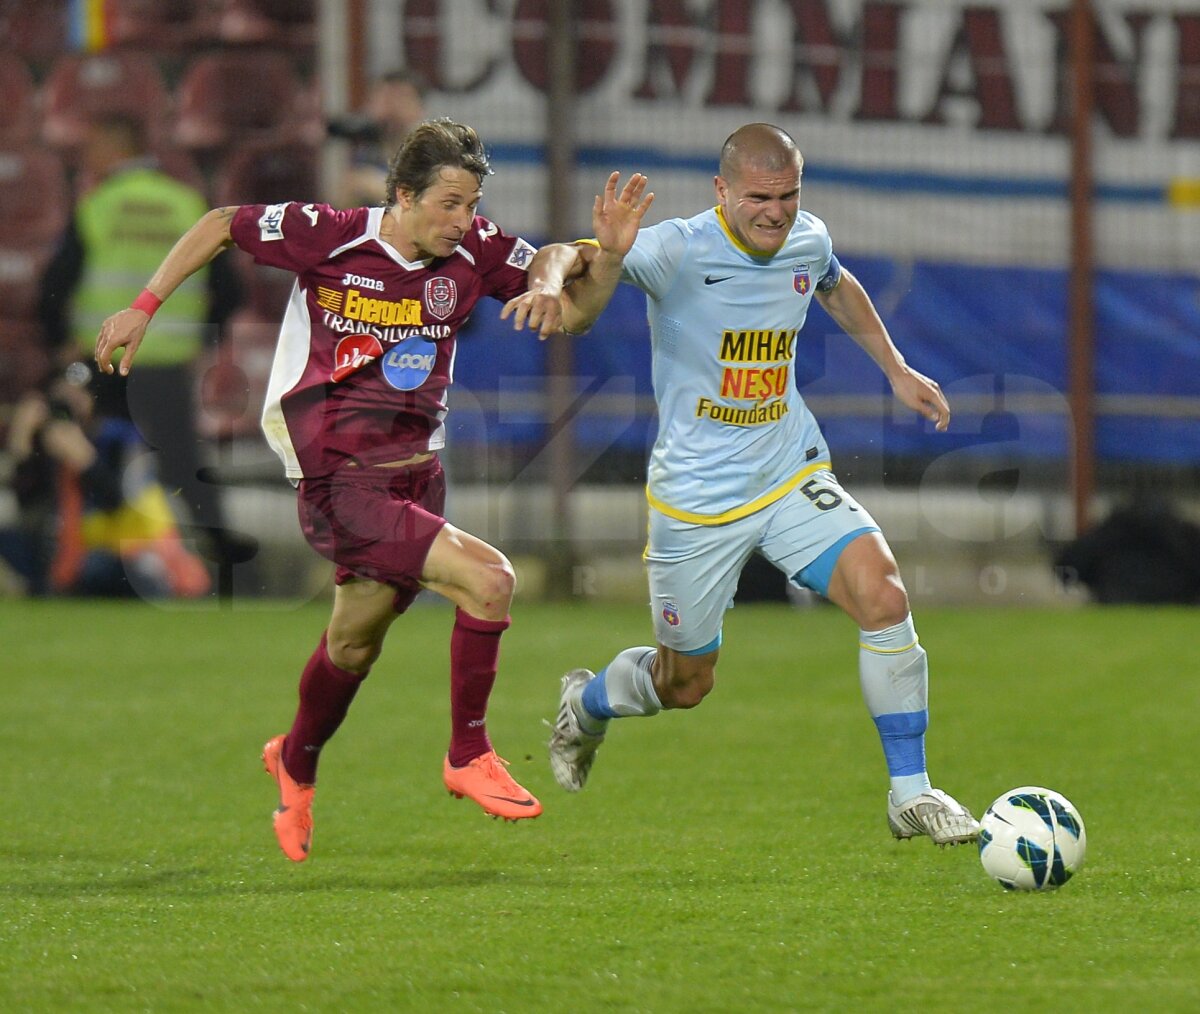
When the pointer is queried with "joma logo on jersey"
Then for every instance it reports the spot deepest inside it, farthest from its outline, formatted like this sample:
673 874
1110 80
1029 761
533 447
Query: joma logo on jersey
757 346
355 306
367 283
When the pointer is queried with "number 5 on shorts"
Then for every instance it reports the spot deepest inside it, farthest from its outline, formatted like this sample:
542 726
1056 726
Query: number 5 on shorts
823 499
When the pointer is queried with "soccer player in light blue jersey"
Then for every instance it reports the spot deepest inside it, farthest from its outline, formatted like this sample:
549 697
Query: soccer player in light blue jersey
740 465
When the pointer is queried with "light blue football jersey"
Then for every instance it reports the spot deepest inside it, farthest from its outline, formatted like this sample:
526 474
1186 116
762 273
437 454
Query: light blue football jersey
734 434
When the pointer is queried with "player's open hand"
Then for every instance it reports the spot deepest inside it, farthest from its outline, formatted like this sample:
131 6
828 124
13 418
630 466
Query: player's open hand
123 330
923 395
617 218
541 309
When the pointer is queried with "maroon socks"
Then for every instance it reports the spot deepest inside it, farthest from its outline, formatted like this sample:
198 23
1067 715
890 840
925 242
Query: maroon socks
474 656
325 695
326 692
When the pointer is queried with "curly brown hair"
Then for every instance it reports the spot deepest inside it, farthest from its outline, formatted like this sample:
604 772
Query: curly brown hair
430 146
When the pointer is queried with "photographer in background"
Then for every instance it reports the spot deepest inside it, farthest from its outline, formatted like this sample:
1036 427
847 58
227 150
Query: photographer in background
395 105
123 224
92 519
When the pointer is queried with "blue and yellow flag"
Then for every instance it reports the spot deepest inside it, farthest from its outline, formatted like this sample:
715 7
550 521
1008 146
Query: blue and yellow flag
89 25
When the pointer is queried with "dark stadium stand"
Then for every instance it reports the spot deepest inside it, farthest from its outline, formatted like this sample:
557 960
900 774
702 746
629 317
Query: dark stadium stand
115 81
266 173
16 111
234 381
288 23
248 95
33 196
154 24
223 87
23 360
37 31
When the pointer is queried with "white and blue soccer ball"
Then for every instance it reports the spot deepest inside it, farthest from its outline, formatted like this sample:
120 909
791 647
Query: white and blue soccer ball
1032 839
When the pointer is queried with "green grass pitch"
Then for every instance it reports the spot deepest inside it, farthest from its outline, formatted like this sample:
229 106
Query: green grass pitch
732 858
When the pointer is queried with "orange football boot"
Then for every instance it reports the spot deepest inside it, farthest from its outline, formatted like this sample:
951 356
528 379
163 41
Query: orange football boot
293 818
486 781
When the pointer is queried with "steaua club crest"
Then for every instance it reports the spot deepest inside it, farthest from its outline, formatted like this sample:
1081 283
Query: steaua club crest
441 296
800 279
670 612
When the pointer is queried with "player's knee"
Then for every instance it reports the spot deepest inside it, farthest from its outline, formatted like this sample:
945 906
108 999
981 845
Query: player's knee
353 655
687 687
887 605
492 587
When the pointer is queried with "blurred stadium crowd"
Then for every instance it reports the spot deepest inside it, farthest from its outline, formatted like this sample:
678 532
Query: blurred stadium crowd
224 93
221 94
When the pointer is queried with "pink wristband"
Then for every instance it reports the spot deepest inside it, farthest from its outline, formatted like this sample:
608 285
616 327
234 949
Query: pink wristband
147 302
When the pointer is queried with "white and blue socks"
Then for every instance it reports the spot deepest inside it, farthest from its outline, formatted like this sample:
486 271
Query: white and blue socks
895 684
623 688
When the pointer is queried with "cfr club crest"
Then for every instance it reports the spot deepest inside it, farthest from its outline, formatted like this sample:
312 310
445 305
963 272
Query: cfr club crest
441 296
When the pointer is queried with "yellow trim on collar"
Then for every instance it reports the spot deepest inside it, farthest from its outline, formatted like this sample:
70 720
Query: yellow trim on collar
732 238
737 513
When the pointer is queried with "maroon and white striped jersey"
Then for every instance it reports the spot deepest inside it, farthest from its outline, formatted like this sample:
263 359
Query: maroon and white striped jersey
366 348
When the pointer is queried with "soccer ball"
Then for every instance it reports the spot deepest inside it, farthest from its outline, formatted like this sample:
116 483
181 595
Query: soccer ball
1032 839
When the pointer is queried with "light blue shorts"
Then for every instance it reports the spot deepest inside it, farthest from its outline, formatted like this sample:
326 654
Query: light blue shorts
694 569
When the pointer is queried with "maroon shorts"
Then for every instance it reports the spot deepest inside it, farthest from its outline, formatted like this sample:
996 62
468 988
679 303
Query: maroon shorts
376 523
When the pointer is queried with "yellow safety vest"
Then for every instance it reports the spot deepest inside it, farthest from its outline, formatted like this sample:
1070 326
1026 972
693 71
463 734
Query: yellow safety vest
127 225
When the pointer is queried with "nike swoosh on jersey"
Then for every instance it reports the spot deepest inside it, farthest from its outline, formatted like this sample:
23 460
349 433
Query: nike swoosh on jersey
709 280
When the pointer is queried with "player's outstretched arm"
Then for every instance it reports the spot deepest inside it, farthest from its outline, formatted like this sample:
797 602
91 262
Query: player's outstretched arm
616 219
592 267
850 306
126 328
540 306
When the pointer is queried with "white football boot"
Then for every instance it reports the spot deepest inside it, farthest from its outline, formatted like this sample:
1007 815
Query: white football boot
572 750
932 813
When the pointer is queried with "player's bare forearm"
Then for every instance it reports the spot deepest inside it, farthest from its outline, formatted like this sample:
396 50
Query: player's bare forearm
587 296
554 265
616 219
852 310
850 306
126 328
540 306
194 249
579 276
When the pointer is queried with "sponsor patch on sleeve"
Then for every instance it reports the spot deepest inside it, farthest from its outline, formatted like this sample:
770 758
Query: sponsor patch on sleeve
522 254
270 225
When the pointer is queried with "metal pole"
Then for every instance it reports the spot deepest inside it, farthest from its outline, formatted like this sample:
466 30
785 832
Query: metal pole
356 29
560 360
1081 342
333 73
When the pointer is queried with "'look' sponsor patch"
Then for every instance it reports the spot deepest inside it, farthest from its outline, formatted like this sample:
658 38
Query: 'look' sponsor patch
408 365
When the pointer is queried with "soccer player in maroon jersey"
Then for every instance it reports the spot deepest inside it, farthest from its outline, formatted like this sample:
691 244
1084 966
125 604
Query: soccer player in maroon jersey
355 408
